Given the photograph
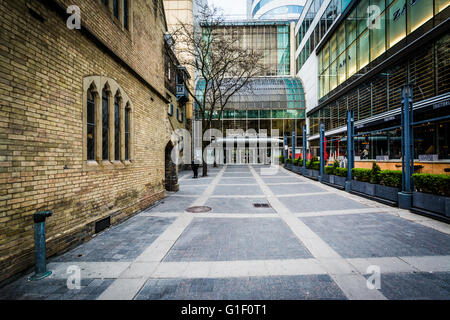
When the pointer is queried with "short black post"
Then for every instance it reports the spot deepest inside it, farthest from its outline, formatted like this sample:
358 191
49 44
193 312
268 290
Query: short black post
39 245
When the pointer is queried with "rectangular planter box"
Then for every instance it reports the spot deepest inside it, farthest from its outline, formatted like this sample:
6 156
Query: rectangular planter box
340 181
363 187
328 178
312 173
297 169
388 193
431 202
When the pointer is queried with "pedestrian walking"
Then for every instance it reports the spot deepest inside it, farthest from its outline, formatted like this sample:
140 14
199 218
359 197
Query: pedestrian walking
195 167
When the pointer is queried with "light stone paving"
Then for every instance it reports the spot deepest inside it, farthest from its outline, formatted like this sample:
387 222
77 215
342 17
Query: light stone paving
127 279
353 284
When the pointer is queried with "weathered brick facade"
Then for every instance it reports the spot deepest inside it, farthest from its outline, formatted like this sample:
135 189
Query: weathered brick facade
42 67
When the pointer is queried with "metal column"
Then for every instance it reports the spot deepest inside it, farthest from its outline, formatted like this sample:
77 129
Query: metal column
293 146
39 245
285 149
350 148
305 150
405 196
322 151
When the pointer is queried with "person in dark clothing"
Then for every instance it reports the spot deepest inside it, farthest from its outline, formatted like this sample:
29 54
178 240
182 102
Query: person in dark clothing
195 168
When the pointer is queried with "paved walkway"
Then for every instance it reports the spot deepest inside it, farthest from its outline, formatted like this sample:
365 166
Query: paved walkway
311 242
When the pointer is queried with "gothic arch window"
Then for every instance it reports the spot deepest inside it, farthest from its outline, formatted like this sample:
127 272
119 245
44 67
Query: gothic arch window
90 113
107 123
117 103
127 132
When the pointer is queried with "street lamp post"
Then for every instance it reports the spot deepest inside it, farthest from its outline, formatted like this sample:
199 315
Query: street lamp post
405 196
293 146
322 151
350 149
304 150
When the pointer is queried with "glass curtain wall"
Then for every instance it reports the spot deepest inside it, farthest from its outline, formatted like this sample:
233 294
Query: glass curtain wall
271 39
370 29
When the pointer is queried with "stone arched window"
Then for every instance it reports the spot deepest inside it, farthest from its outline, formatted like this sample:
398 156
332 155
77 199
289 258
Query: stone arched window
107 123
90 122
117 117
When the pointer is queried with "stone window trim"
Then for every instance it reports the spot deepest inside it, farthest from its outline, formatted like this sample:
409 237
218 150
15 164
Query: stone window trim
119 21
96 84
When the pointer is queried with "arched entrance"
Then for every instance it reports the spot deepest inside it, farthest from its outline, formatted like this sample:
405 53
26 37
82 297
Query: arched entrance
171 174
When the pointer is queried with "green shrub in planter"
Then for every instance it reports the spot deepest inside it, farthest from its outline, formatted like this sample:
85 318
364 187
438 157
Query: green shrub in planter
391 178
298 162
363 175
281 159
329 170
289 161
315 165
438 184
341 172
375 174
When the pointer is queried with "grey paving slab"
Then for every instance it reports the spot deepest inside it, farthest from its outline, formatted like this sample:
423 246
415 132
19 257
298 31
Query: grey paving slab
191 190
231 174
236 239
173 204
194 182
378 235
237 205
278 179
416 286
231 190
123 242
237 181
320 203
295 189
53 289
246 288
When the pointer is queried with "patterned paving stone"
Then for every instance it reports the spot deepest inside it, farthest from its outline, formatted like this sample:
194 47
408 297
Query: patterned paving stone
257 288
378 235
124 242
237 239
231 174
420 286
173 204
295 189
319 203
237 181
191 190
53 289
278 179
224 190
237 205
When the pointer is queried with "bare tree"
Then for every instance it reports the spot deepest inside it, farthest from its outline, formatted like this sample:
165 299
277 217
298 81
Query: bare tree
223 64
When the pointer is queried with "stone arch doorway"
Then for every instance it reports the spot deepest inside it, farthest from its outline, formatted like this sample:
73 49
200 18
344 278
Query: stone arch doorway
171 174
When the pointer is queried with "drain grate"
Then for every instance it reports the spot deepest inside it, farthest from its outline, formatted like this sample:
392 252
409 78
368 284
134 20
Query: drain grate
261 205
199 209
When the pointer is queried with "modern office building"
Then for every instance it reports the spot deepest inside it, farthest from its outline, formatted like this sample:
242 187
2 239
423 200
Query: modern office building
274 9
276 99
357 55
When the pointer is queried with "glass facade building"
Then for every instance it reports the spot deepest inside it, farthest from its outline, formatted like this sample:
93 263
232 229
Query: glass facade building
276 9
266 104
370 51
271 105
272 38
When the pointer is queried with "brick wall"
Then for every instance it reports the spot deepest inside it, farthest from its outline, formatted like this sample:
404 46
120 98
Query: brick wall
42 66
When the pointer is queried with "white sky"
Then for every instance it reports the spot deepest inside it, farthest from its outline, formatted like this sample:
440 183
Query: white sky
231 7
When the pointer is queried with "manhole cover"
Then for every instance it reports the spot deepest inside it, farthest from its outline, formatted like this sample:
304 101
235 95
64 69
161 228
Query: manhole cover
199 209
261 205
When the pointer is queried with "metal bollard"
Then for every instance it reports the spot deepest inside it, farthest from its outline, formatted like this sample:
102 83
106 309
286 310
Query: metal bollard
39 245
